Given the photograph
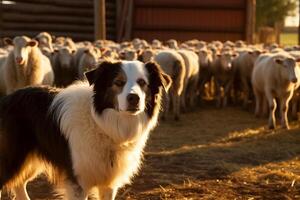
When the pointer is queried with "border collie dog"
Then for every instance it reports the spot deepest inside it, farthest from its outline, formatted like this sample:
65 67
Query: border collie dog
88 137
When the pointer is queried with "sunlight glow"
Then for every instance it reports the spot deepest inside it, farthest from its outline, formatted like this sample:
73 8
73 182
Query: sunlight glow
8 2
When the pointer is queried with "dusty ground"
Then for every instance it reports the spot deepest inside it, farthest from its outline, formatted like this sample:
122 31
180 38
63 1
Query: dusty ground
214 154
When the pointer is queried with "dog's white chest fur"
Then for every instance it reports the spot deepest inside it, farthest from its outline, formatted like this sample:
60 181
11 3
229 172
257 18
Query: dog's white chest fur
105 149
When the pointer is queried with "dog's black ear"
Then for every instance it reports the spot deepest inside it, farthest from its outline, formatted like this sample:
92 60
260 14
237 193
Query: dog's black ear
90 75
158 76
103 71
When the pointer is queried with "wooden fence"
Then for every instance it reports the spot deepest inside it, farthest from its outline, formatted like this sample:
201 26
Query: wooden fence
127 19
73 18
183 20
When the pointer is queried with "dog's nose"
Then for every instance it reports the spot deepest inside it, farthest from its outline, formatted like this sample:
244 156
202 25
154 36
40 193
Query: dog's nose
133 99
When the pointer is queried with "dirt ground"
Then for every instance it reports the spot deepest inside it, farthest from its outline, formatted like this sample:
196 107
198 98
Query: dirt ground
214 154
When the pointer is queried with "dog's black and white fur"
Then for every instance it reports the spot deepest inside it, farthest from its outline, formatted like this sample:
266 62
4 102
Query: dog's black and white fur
88 136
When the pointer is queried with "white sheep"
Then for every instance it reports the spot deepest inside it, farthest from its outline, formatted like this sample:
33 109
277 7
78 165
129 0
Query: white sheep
26 66
191 78
274 76
172 64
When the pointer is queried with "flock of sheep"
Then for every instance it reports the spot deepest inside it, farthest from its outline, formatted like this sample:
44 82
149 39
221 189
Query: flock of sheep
229 72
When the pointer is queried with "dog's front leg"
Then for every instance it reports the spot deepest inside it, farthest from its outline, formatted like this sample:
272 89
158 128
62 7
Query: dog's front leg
106 193
75 191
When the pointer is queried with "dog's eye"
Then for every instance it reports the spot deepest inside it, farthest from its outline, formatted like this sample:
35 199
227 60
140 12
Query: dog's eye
141 82
119 83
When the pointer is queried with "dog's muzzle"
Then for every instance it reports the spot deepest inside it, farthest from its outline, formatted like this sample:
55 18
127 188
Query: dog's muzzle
133 102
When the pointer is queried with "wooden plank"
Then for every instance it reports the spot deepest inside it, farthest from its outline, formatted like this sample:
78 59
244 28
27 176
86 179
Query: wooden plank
99 19
215 4
50 19
64 3
47 27
183 36
46 9
162 18
190 29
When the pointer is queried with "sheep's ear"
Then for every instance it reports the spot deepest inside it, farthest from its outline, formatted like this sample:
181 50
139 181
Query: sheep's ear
250 52
279 61
167 81
86 51
139 52
8 41
32 43
73 51
257 52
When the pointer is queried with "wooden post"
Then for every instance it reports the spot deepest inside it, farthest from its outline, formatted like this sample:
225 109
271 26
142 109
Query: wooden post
299 24
99 20
250 21
119 6
1 20
128 27
122 21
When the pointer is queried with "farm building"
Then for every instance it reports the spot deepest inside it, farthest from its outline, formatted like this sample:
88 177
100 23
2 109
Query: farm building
126 19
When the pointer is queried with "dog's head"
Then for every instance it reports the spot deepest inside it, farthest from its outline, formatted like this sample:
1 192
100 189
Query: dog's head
130 87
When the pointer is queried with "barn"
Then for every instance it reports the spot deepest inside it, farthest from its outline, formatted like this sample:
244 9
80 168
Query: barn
127 19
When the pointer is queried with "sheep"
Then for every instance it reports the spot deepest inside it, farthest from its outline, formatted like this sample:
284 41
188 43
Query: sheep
295 104
223 72
172 44
218 44
87 60
45 41
3 52
244 65
156 44
191 61
147 55
128 54
139 44
201 44
2 83
64 70
83 44
26 66
205 76
65 42
47 52
172 64
240 44
274 76
109 54
7 44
